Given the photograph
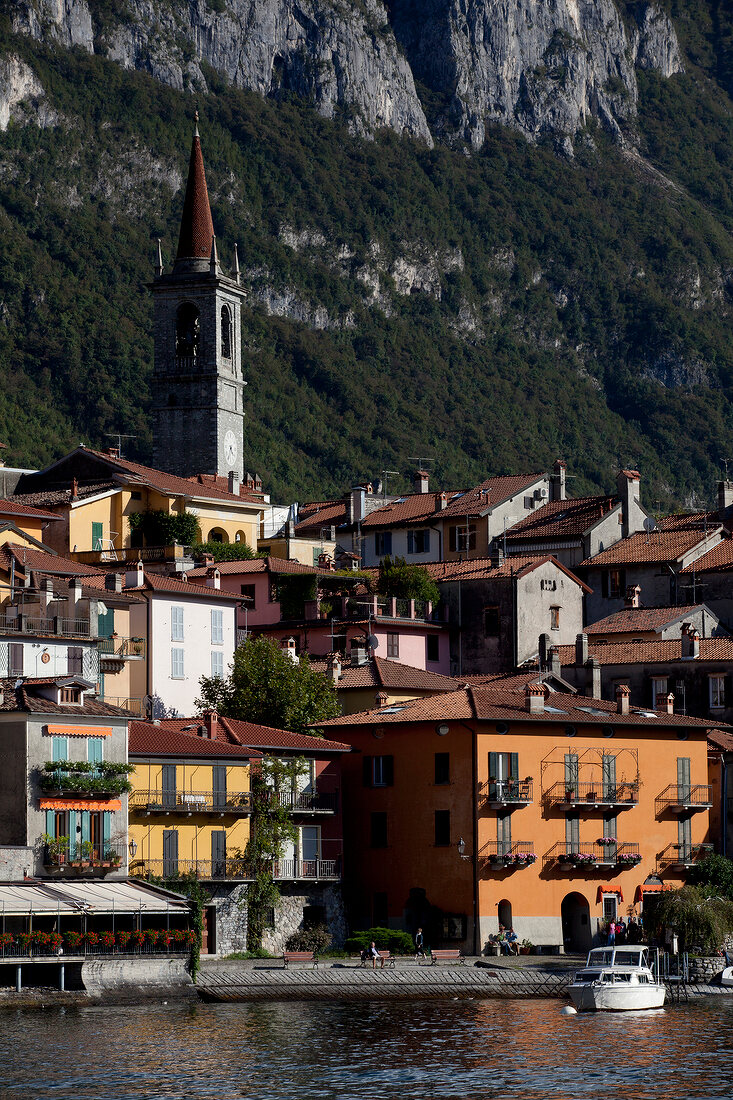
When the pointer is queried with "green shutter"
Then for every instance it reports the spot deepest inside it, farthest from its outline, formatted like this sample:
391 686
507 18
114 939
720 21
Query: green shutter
95 750
493 773
514 765
683 777
97 535
60 748
51 822
85 826
73 816
106 624
571 770
608 771
106 831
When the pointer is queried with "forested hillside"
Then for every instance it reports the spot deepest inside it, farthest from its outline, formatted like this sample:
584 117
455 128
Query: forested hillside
491 305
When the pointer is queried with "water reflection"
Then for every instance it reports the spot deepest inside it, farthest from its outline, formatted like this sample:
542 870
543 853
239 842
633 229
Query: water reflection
472 1050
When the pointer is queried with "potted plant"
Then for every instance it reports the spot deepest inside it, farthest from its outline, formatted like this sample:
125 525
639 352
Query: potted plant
526 947
55 850
569 794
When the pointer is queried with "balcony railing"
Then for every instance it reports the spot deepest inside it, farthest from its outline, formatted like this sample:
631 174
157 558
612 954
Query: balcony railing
190 802
84 856
506 792
592 795
306 801
600 854
175 552
207 869
122 649
36 624
499 855
39 951
135 706
684 798
683 855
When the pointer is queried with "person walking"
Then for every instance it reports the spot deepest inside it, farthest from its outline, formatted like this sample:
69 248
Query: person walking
419 944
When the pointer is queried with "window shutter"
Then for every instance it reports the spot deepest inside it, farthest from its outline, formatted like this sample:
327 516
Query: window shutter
85 826
97 535
106 624
571 769
426 545
15 653
51 822
60 748
683 776
73 821
367 770
514 765
410 542
388 770
106 830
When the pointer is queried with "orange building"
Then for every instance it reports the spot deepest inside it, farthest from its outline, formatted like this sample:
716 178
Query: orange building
512 804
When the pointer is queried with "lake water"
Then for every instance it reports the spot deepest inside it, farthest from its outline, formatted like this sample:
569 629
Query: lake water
463 1049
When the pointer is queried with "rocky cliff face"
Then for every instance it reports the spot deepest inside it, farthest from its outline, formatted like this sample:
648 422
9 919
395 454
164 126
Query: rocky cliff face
541 68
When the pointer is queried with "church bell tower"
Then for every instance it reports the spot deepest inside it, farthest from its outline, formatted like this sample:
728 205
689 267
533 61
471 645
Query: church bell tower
198 415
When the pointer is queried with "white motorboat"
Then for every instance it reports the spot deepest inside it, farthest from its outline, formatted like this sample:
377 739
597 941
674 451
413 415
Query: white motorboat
616 979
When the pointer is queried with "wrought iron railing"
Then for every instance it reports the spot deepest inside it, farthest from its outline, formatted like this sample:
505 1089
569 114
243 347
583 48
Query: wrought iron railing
683 855
306 801
123 649
34 951
593 794
507 792
36 624
75 855
684 796
191 802
236 868
498 854
601 853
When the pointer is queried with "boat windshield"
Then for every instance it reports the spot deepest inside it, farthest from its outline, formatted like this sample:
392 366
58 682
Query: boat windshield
587 975
600 956
635 956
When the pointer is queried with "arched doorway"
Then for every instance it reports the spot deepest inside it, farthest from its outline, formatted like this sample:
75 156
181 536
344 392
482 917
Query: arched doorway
576 933
505 913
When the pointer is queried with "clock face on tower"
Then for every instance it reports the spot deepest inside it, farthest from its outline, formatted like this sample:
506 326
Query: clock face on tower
230 449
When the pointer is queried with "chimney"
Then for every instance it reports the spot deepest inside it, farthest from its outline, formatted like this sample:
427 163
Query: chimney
213 578
135 576
334 668
545 643
581 649
207 560
633 595
358 652
46 593
690 642
357 504
555 666
665 704
557 480
74 489
627 483
725 498
75 593
211 724
534 699
420 481
234 483
113 582
381 699
113 452
441 501
592 678
623 696
497 556
288 646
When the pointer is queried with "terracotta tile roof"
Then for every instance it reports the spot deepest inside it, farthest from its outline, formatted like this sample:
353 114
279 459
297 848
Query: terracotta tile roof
411 508
717 560
147 739
25 699
689 521
650 652
660 545
488 494
562 519
266 737
379 672
197 228
720 740
16 508
96 587
641 618
157 582
255 565
170 484
216 481
47 498
516 565
39 561
493 704
318 514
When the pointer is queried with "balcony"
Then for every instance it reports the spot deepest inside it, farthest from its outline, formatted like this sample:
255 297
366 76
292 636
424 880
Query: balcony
599 855
306 801
80 779
37 625
188 803
83 858
176 553
135 706
115 651
283 870
503 794
508 857
591 796
684 799
679 857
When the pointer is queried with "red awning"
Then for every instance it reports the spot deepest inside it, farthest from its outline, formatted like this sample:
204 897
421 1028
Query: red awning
651 888
609 890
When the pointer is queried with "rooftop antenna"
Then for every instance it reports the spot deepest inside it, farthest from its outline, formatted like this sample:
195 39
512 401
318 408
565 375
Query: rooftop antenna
421 462
725 462
119 436
385 474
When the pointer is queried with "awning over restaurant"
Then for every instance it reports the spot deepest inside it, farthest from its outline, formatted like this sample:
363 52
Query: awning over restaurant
609 890
93 898
651 888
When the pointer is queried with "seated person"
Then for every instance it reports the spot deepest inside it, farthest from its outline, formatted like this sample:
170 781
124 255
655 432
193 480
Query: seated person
510 945
373 954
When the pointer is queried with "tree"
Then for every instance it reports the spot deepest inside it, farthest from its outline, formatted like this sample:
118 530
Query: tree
406 582
266 687
226 551
713 875
701 922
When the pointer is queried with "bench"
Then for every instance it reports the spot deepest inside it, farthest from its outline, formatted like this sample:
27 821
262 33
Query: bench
447 954
299 957
386 955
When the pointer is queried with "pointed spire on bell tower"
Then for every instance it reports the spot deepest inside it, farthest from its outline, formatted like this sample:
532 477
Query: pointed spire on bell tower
197 227
214 258
158 260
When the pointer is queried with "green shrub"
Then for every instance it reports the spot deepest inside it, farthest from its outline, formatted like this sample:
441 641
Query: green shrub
315 939
386 939
701 922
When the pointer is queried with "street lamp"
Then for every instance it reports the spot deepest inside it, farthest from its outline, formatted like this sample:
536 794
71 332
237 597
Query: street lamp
133 847
462 848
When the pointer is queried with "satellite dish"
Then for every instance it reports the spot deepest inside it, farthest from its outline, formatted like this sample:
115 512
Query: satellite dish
650 524
372 642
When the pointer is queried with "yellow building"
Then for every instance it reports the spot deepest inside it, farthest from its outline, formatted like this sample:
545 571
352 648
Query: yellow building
95 495
190 804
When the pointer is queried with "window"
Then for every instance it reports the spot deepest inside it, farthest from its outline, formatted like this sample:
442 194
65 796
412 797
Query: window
383 543
378 830
659 689
170 852
614 583
684 839
683 778
187 331
554 618
442 828
548 585
378 771
176 624
504 834
716 688
95 750
218 853
418 542
310 843
610 905
217 627
462 538
60 749
491 621
15 658
75 658
177 664
572 834
217 663
433 645
442 767
248 592
69 695
97 536
393 645
226 333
